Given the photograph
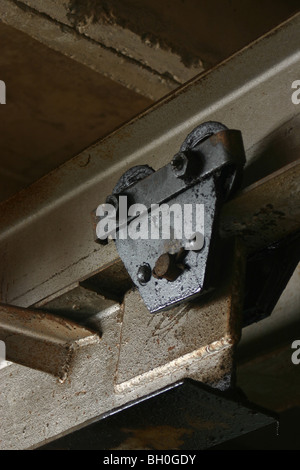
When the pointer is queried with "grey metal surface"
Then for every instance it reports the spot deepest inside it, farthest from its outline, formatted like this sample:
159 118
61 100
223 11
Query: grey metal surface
46 230
77 303
41 341
160 294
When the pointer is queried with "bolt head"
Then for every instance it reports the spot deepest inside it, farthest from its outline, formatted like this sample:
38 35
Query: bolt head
166 267
144 273
180 164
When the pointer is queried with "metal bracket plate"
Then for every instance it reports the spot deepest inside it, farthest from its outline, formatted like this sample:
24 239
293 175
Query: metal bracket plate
169 269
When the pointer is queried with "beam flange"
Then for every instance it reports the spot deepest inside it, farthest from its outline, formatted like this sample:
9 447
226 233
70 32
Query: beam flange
42 341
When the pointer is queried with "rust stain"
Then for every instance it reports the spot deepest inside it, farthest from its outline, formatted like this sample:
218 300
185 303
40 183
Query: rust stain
220 138
85 163
230 140
155 437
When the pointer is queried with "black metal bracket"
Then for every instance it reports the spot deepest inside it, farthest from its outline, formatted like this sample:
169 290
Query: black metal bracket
205 172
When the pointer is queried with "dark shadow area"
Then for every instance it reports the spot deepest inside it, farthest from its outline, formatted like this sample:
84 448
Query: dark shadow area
280 148
288 437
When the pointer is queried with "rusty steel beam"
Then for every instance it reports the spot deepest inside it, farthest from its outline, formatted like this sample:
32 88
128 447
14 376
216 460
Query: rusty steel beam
41 341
